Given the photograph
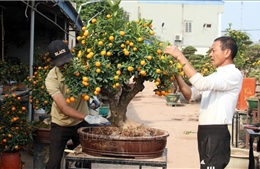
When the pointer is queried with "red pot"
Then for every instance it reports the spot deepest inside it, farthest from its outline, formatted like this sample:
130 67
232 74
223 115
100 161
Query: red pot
10 160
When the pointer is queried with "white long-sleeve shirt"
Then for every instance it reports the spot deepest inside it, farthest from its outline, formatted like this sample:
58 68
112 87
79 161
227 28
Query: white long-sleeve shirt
219 93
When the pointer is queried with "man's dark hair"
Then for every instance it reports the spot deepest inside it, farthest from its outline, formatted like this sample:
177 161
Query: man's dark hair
228 43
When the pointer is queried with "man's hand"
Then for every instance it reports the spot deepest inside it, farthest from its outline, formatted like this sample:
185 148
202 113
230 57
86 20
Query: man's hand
176 53
173 51
96 119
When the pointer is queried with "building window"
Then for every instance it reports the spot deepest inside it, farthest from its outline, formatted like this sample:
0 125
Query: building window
206 25
188 27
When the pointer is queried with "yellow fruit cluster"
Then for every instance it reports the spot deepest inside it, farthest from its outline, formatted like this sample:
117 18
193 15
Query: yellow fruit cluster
39 97
112 50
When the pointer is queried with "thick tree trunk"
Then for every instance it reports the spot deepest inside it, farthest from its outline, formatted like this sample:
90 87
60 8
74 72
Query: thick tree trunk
118 107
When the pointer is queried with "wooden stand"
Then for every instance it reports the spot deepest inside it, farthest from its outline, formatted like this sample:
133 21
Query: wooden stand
79 156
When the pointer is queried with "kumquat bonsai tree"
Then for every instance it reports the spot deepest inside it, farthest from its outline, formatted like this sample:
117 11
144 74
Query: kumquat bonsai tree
15 127
110 51
15 130
39 97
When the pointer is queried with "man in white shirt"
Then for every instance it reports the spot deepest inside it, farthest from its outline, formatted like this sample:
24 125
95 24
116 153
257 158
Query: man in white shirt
219 93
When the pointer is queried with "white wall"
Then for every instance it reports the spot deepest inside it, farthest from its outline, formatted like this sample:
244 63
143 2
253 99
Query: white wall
173 15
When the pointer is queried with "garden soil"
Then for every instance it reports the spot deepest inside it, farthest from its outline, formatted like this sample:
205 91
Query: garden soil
180 121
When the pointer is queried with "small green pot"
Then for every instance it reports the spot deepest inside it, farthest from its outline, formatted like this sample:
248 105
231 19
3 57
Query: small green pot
172 98
252 103
103 110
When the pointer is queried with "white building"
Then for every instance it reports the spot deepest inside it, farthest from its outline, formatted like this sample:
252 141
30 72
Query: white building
184 23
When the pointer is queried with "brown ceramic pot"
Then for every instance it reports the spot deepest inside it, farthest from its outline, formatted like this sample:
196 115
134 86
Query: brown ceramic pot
116 146
42 135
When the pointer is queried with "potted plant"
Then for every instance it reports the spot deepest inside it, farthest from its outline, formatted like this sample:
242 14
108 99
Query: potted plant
173 98
110 51
13 76
6 77
41 102
252 102
22 72
15 131
39 97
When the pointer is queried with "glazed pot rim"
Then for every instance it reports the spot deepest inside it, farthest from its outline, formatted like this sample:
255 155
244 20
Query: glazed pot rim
252 99
110 137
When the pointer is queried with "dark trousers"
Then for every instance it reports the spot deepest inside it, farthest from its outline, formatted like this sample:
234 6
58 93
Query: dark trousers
214 146
59 137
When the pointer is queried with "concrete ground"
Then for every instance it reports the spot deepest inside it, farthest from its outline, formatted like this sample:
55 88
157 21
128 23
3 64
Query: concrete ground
180 121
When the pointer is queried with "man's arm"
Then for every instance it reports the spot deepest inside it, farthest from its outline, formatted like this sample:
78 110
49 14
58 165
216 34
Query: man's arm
73 113
66 109
184 88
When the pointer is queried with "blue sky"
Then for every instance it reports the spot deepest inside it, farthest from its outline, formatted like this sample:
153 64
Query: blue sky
244 15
